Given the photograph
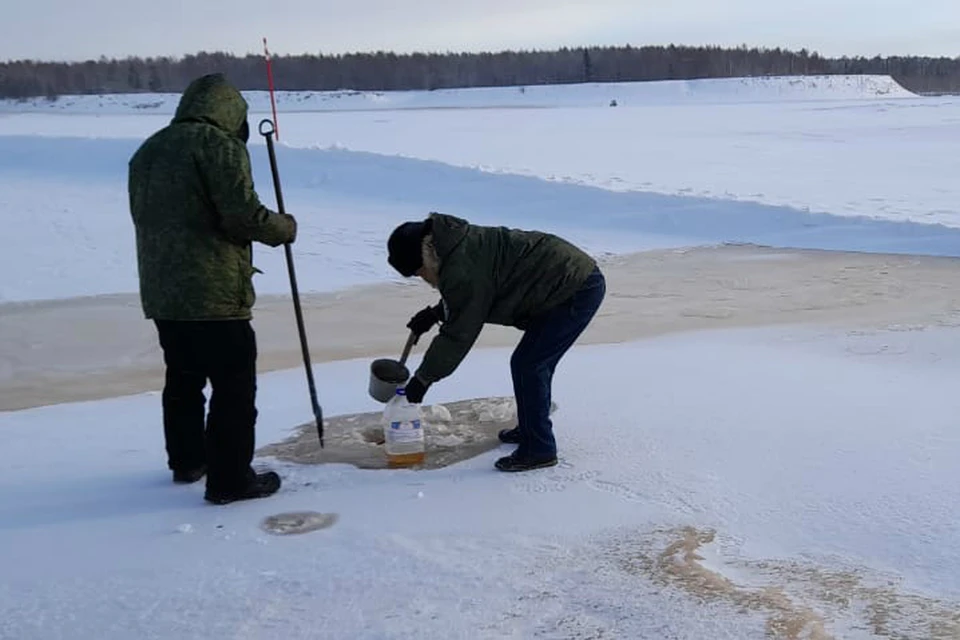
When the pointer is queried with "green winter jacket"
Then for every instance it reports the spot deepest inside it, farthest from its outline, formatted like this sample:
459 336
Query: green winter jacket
495 275
195 210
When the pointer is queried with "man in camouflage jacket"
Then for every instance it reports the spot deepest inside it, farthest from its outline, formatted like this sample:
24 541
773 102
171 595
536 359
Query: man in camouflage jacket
196 215
530 280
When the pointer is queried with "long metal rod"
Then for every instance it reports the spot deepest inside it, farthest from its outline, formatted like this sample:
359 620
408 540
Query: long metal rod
267 129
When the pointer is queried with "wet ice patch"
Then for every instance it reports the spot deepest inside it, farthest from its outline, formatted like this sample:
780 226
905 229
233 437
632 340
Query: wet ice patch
453 432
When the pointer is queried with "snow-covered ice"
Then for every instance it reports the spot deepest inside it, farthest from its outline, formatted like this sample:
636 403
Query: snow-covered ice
765 446
830 458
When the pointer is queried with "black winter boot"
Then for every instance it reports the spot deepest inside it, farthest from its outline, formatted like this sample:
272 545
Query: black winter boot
189 476
521 462
510 436
259 486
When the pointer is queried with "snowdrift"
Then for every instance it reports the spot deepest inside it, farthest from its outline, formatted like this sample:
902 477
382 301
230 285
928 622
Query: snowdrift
713 90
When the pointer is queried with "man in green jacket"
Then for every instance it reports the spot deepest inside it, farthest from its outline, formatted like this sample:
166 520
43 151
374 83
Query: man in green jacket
196 215
530 280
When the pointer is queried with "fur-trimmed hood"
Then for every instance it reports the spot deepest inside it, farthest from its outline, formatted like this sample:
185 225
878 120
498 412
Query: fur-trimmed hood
445 233
428 252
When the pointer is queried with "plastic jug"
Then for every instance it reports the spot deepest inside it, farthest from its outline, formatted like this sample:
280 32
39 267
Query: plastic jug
404 441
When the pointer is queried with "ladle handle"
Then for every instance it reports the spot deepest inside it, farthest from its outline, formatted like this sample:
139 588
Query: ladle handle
407 347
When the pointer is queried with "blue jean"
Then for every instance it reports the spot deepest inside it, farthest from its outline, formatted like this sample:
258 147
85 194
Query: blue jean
535 359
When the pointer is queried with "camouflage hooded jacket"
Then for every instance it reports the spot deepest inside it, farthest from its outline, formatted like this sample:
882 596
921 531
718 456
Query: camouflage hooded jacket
195 210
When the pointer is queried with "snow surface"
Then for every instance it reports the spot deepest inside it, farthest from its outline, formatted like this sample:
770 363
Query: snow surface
820 464
821 455
53 181
834 166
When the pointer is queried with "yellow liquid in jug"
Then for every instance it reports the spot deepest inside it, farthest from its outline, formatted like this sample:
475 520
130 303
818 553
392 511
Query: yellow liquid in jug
406 459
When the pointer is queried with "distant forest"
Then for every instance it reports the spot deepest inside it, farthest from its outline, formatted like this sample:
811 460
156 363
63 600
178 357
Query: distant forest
387 71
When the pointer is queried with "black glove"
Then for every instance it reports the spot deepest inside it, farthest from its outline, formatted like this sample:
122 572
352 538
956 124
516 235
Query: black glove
415 390
424 320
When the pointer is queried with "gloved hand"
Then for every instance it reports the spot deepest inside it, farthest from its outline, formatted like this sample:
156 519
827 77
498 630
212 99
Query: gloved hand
415 390
424 320
293 227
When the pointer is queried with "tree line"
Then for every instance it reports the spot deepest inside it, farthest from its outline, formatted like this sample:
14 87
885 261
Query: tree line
386 71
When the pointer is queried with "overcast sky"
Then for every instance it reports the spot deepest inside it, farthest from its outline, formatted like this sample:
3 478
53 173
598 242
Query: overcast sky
80 29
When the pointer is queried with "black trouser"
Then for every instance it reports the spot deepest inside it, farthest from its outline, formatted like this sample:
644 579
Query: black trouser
225 353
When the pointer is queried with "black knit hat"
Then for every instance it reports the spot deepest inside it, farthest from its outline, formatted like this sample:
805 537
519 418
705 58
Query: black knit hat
405 247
